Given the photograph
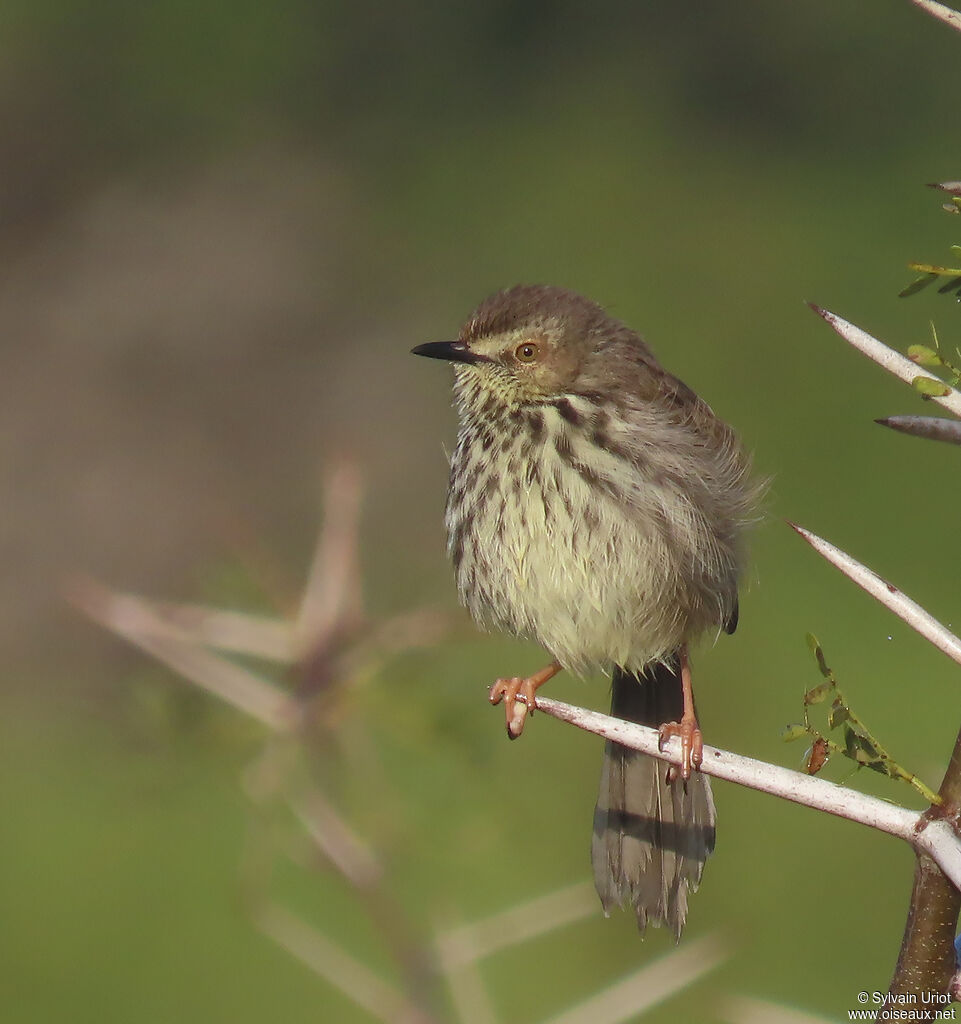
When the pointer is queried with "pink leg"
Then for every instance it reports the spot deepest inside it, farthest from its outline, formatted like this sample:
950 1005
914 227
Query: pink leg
692 742
519 696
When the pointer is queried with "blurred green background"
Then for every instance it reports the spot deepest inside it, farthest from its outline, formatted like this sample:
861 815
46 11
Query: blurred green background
223 226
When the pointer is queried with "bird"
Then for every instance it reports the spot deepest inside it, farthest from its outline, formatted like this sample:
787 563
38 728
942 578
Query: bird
598 506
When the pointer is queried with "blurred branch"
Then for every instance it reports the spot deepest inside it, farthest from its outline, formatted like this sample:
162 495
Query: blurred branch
337 841
472 1002
238 632
470 942
935 837
342 971
648 986
328 641
742 1010
135 620
332 607
327 646
461 949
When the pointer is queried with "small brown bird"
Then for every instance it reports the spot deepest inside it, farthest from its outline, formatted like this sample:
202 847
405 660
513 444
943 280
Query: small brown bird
597 506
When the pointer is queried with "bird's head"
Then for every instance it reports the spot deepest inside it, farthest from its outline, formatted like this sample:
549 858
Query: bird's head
531 343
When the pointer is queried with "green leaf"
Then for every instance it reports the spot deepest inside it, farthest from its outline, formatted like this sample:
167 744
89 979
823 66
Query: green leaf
812 641
918 284
818 694
928 387
933 268
924 356
859 748
868 747
793 732
839 714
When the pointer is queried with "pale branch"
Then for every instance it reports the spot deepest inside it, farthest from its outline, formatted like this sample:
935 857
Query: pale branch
926 962
337 841
941 12
331 602
344 972
328 629
745 1010
468 943
888 358
626 999
142 620
933 837
953 188
933 428
469 997
260 636
461 949
893 599
404 632
133 619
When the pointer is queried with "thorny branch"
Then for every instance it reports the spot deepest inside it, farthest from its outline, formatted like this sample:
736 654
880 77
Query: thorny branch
926 963
936 838
934 428
940 11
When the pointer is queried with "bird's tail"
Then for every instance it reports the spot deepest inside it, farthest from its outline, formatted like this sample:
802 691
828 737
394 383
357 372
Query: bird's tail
651 837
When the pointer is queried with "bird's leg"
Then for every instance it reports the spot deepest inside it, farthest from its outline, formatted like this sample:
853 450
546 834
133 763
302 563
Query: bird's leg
692 742
519 697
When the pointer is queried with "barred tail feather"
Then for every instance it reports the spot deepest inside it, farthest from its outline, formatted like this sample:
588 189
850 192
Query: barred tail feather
651 838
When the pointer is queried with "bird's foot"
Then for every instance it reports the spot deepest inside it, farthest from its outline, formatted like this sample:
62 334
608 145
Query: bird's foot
692 745
519 700
520 697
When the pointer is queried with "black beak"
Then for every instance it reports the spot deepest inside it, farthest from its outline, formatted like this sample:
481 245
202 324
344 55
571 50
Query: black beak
453 351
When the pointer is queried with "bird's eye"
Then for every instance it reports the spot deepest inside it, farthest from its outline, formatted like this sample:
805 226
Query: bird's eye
526 353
